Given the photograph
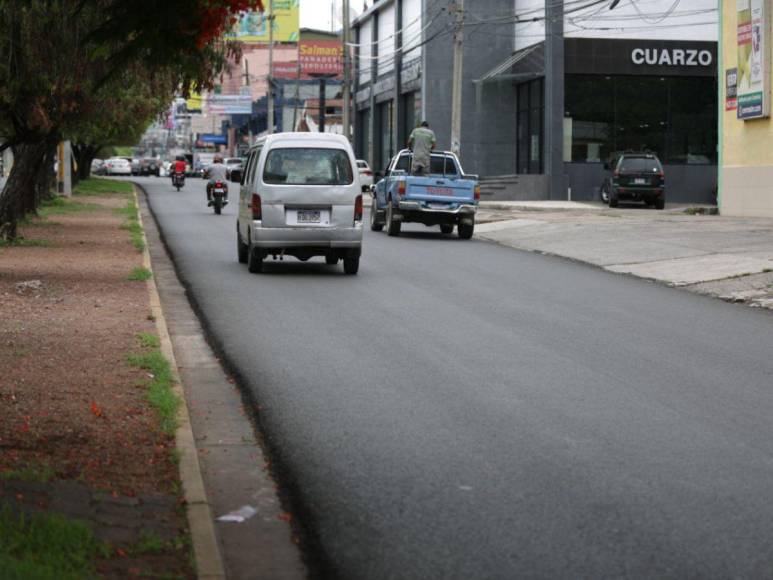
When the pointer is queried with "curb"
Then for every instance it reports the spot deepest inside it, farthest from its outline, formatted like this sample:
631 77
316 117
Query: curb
209 561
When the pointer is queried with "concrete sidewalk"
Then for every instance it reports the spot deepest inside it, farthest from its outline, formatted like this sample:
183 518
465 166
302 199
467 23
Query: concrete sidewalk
730 258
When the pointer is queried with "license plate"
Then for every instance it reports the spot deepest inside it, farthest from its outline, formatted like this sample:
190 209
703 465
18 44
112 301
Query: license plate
308 216
640 181
438 205
220 191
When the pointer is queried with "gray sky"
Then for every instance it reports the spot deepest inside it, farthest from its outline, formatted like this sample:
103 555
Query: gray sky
316 13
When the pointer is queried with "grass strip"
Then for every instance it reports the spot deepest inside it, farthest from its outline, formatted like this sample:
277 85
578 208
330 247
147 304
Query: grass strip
40 473
25 243
140 274
132 223
160 393
47 547
63 205
102 187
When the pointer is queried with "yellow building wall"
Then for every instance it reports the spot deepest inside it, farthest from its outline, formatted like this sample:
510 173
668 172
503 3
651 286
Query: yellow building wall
747 146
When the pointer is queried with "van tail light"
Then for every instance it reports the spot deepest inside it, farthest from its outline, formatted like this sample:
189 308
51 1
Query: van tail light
358 208
477 192
257 209
368 172
401 187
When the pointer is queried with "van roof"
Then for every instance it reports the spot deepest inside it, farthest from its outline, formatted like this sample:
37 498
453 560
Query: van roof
328 138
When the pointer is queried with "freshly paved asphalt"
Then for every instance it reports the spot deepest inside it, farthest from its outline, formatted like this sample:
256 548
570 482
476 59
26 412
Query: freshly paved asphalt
465 410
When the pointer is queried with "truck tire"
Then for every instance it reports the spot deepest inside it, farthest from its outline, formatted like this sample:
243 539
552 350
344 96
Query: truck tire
375 225
466 230
393 227
660 203
446 228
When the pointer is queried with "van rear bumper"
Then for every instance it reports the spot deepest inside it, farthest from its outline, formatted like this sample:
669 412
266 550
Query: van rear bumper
278 238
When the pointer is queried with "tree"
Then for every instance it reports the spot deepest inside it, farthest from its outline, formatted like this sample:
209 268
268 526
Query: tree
62 58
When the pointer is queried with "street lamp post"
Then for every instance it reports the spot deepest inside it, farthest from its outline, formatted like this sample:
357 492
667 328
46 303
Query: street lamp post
322 95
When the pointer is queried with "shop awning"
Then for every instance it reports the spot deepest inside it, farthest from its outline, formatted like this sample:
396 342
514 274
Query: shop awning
524 64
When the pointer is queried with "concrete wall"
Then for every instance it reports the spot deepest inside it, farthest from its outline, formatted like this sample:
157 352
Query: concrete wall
684 183
488 129
747 146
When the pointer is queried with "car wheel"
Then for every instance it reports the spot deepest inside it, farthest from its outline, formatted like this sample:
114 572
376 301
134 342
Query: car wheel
375 225
331 260
255 261
446 228
604 194
351 265
393 227
242 250
660 203
466 230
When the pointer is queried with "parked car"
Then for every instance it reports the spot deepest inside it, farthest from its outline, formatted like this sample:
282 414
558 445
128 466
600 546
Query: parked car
635 176
366 174
98 167
300 196
118 166
150 166
445 197
136 166
232 163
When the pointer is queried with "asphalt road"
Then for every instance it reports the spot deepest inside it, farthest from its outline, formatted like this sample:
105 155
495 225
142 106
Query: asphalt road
465 410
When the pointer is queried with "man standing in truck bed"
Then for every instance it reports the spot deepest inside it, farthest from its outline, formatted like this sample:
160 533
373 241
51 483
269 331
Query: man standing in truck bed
422 141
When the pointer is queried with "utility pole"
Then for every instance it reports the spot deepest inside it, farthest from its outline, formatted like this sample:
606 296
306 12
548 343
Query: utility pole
347 74
456 92
270 116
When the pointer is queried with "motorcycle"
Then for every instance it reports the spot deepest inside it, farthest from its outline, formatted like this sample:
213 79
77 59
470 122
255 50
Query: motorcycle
219 190
178 180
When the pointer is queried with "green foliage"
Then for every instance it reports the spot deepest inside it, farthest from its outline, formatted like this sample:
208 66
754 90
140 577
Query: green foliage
35 473
140 274
101 187
148 340
63 205
160 390
46 547
25 243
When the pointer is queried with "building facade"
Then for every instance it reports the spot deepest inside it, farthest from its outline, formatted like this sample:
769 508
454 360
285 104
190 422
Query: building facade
746 148
545 106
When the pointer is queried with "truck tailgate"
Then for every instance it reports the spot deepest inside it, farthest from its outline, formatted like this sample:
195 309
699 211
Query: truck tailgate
439 190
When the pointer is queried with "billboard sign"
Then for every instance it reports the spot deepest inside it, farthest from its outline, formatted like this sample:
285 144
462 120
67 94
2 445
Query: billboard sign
753 80
230 104
731 89
253 26
321 57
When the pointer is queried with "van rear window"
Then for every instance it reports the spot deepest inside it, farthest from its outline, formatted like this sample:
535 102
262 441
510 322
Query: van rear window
308 166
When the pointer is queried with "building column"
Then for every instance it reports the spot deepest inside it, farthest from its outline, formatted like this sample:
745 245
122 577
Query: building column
398 115
373 64
553 125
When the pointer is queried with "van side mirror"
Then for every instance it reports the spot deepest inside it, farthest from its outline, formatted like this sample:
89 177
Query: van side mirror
236 175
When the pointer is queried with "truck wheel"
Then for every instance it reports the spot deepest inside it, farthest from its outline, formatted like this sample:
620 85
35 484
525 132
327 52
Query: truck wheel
241 248
375 225
393 227
255 261
660 203
466 230
446 228
351 265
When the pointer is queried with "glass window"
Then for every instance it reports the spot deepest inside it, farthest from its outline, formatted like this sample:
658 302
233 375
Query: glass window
403 163
248 168
529 130
442 165
673 117
630 164
308 166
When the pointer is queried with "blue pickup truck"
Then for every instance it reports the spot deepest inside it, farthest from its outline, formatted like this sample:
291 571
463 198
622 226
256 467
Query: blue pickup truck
446 197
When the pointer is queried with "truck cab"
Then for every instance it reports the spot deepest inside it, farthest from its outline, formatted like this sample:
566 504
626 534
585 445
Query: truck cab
444 197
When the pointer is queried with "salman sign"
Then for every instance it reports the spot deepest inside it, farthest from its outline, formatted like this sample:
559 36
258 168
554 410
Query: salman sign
753 82
253 26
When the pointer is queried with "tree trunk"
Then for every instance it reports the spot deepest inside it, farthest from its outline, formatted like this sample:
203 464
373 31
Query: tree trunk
84 154
21 191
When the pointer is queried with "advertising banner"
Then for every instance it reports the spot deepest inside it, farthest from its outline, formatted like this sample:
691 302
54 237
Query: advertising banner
253 26
753 78
321 57
230 104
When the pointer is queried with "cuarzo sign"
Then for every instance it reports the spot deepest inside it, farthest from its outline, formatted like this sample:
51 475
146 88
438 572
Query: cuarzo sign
671 57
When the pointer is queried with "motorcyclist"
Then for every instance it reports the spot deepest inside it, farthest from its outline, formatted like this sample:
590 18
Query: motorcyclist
215 172
179 165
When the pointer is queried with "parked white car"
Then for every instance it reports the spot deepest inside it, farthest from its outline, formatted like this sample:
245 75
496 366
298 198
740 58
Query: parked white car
118 166
300 196
366 174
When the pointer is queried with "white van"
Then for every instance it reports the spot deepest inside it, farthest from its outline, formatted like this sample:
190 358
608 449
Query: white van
300 196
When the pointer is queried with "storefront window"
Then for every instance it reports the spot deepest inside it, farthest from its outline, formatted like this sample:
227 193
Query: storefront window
675 117
531 111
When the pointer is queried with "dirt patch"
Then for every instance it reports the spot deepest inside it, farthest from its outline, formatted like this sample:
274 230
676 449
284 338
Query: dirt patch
71 405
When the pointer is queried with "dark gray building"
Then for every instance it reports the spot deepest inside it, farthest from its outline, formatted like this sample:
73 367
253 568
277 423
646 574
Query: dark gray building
547 97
